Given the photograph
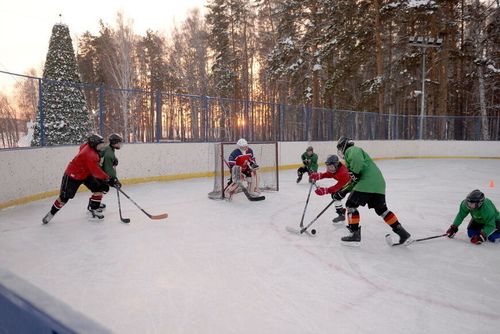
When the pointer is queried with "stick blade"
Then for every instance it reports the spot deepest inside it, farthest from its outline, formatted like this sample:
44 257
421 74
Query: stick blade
255 199
162 216
297 232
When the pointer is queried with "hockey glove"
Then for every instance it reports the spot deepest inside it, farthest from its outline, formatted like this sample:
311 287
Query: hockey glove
452 231
315 176
354 176
338 195
115 161
113 181
321 191
478 238
253 165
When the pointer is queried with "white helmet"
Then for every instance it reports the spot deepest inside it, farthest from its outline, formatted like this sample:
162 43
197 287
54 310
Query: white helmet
242 143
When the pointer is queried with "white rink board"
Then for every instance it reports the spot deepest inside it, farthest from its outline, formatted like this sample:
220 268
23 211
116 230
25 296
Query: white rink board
33 171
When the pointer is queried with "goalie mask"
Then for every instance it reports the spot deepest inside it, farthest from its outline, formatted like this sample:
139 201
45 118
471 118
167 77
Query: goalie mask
242 145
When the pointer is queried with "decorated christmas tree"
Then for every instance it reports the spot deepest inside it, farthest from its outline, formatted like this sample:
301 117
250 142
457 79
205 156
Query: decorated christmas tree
64 114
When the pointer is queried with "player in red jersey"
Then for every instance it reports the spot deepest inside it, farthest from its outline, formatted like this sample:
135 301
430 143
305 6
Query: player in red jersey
83 169
334 170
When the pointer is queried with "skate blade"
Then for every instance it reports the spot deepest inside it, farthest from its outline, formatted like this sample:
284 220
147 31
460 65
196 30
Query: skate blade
351 243
408 241
94 219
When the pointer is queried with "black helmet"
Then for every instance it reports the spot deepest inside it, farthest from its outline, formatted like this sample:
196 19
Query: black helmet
343 144
94 139
333 160
114 139
310 149
475 199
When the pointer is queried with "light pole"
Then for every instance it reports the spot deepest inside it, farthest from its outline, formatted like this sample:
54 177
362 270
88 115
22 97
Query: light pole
424 43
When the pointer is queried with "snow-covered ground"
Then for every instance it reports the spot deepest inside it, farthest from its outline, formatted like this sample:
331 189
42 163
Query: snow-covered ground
231 267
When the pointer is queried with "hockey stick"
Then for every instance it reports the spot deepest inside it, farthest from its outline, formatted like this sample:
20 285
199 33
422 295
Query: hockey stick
124 220
307 202
162 216
388 238
250 197
304 229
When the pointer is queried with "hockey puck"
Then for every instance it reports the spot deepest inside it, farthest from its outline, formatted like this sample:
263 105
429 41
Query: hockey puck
313 231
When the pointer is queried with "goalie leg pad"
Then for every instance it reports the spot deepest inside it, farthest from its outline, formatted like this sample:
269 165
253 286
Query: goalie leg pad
231 190
236 175
253 184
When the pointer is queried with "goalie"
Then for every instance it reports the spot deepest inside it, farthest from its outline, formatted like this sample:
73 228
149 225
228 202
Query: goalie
243 173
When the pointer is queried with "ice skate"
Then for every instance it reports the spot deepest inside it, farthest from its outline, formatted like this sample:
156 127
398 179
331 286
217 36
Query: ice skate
48 217
95 215
340 218
101 208
299 178
404 236
354 237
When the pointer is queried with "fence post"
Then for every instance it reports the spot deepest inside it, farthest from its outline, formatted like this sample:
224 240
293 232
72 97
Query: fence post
308 119
101 105
280 128
40 110
158 116
207 119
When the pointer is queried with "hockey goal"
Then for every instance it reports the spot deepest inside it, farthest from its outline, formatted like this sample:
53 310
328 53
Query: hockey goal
266 156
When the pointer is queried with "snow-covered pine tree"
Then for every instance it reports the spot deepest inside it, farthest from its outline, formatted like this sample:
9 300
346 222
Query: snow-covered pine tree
66 119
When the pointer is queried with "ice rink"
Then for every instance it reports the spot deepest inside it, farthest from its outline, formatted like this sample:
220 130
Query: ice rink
231 267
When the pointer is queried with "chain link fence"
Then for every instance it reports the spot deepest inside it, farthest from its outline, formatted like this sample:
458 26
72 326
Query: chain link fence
142 116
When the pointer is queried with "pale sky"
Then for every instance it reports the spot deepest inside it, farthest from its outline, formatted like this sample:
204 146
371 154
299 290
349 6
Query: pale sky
26 25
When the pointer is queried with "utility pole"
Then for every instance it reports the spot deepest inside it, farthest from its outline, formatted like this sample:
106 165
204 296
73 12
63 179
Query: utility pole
424 43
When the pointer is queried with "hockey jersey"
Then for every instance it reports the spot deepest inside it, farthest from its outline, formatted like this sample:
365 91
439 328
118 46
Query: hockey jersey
86 162
238 158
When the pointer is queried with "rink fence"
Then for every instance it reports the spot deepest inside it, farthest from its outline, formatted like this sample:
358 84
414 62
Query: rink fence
146 116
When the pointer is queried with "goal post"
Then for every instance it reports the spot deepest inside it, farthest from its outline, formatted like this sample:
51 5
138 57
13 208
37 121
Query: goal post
266 156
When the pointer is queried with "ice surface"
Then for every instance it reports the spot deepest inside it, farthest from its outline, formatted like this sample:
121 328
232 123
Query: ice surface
231 267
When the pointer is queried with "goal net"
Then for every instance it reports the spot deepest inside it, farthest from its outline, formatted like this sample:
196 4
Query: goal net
266 156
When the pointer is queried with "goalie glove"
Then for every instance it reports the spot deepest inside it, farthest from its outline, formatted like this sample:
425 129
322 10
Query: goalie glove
236 174
253 165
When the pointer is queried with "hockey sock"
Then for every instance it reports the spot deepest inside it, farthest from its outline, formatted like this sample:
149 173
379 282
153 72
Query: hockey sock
56 207
353 219
95 202
390 218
